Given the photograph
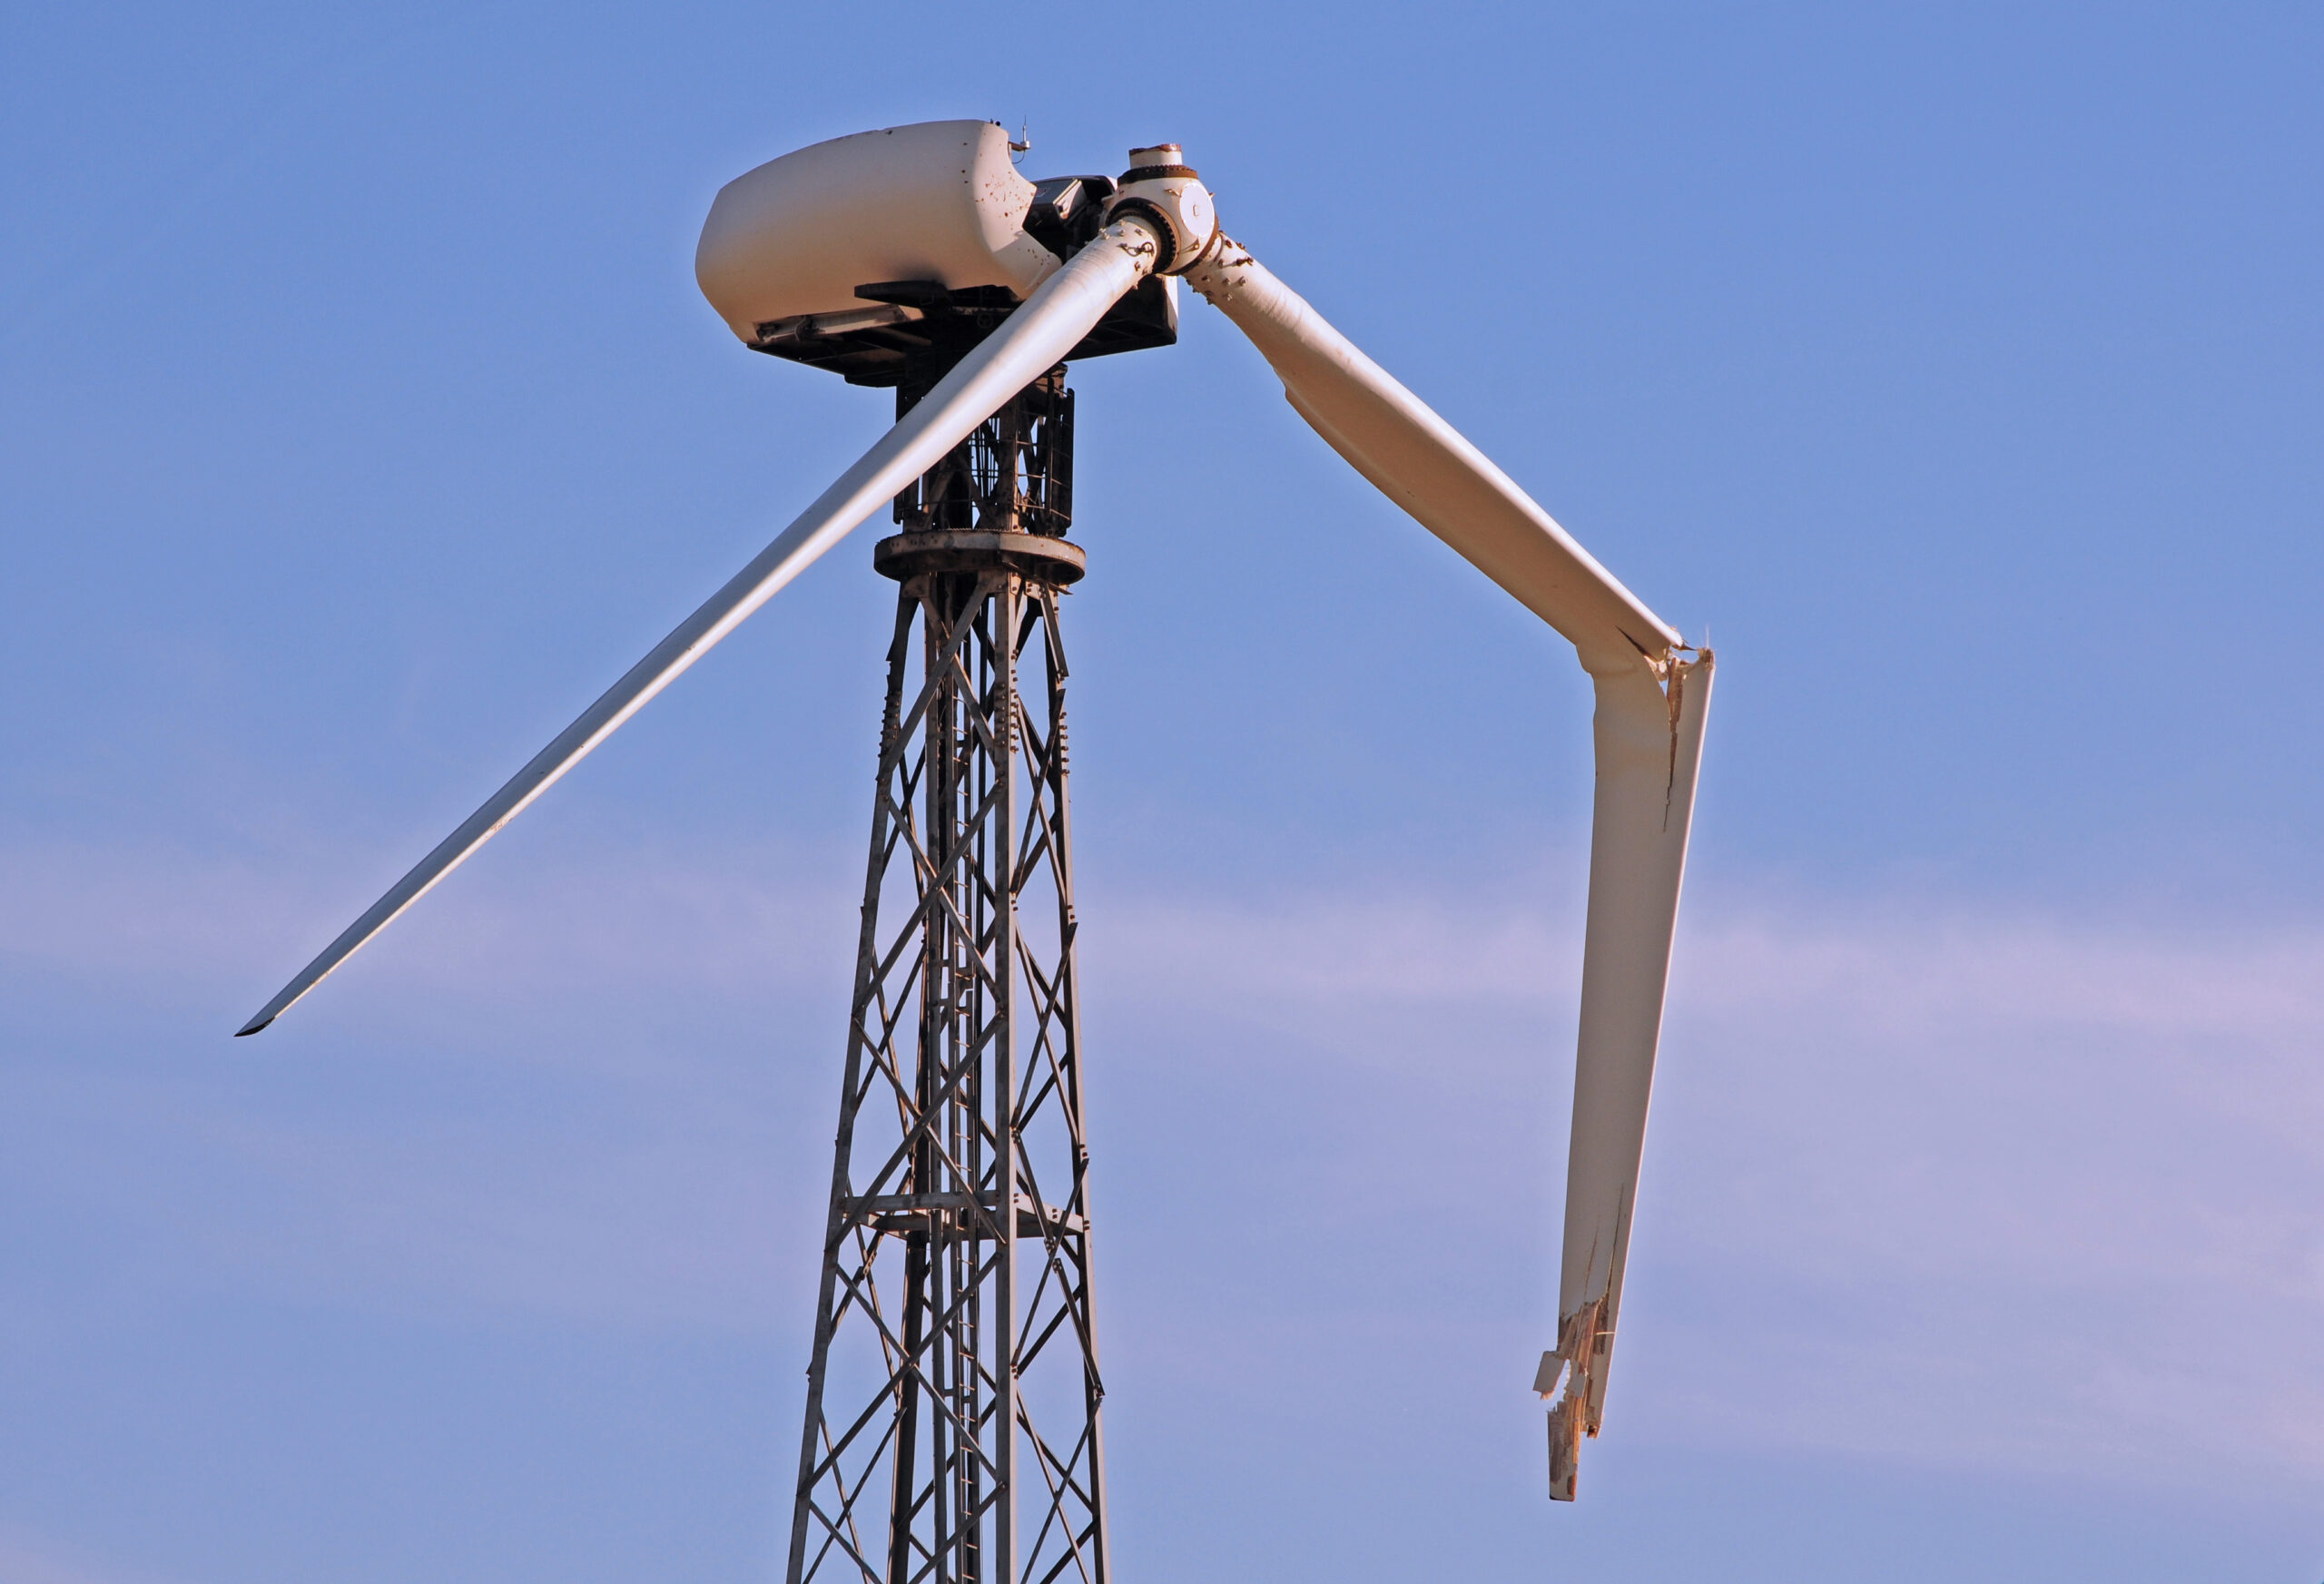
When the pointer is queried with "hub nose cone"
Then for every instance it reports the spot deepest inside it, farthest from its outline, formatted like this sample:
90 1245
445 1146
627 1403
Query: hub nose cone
1161 159
1165 195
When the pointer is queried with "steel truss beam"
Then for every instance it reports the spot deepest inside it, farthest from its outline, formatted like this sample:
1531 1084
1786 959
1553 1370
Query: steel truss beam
953 1433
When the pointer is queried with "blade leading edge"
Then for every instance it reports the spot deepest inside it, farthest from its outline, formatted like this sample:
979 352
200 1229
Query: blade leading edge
1428 467
1652 703
1028 344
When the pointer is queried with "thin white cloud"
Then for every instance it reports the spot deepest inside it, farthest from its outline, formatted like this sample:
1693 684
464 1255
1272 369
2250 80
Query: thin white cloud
1926 1181
1948 1182
27 1557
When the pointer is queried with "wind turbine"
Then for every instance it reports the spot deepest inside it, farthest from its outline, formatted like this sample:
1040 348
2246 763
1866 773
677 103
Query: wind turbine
917 256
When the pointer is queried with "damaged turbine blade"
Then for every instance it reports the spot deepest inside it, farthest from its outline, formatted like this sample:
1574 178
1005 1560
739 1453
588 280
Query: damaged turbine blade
1652 700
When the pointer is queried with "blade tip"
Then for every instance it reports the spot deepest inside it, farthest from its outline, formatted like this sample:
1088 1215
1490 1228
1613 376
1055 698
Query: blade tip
252 1026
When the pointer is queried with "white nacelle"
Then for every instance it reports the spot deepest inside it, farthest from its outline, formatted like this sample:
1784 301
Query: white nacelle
936 201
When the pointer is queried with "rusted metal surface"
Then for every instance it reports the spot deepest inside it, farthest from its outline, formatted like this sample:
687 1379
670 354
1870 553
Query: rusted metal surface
1014 471
954 1426
1054 561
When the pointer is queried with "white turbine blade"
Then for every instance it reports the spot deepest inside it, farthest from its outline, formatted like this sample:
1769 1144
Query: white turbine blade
1424 465
1651 706
1650 743
1029 343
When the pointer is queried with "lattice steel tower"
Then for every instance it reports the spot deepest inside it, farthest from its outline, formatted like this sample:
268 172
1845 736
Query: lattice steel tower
954 1426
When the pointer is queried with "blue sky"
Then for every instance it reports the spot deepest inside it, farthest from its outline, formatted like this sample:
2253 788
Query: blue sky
1960 371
